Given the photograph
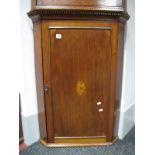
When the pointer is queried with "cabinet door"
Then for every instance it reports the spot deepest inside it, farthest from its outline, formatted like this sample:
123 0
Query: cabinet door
79 72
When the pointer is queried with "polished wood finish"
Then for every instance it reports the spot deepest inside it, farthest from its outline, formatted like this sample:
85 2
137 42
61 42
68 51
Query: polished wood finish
120 56
94 3
64 9
99 142
79 58
79 140
80 79
77 5
39 79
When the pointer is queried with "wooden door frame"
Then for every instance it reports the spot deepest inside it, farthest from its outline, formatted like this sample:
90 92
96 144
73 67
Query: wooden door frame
46 68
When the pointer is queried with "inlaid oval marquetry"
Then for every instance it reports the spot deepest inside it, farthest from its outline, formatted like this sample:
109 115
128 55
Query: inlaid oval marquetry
80 88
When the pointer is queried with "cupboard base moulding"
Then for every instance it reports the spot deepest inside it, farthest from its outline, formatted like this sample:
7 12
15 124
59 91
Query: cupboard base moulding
78 143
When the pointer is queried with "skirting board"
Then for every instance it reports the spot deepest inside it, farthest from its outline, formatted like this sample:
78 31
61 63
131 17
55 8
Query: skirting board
30 129
126 121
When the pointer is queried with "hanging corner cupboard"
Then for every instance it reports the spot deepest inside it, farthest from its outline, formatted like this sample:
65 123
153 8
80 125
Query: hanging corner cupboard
78 60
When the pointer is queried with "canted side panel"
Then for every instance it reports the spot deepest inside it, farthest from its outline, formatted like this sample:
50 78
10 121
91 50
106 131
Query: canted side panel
120 55
113 83
47 83
39 79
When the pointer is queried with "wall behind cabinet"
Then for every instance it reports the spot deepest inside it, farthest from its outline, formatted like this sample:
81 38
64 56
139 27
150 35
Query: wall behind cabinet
128 89
28 88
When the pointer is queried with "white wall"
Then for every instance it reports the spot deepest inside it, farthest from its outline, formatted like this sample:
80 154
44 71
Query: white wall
29 90
28 87
129 59
128 90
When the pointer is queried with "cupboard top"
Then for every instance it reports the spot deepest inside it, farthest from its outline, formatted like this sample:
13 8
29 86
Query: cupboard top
51 9
116 5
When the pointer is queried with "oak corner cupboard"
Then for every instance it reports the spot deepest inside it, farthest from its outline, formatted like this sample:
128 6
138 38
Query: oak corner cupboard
78 61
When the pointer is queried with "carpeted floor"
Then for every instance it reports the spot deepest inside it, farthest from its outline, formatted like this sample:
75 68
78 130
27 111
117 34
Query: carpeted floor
121 147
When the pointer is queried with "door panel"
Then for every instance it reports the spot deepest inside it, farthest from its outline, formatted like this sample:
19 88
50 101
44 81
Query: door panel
80 78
